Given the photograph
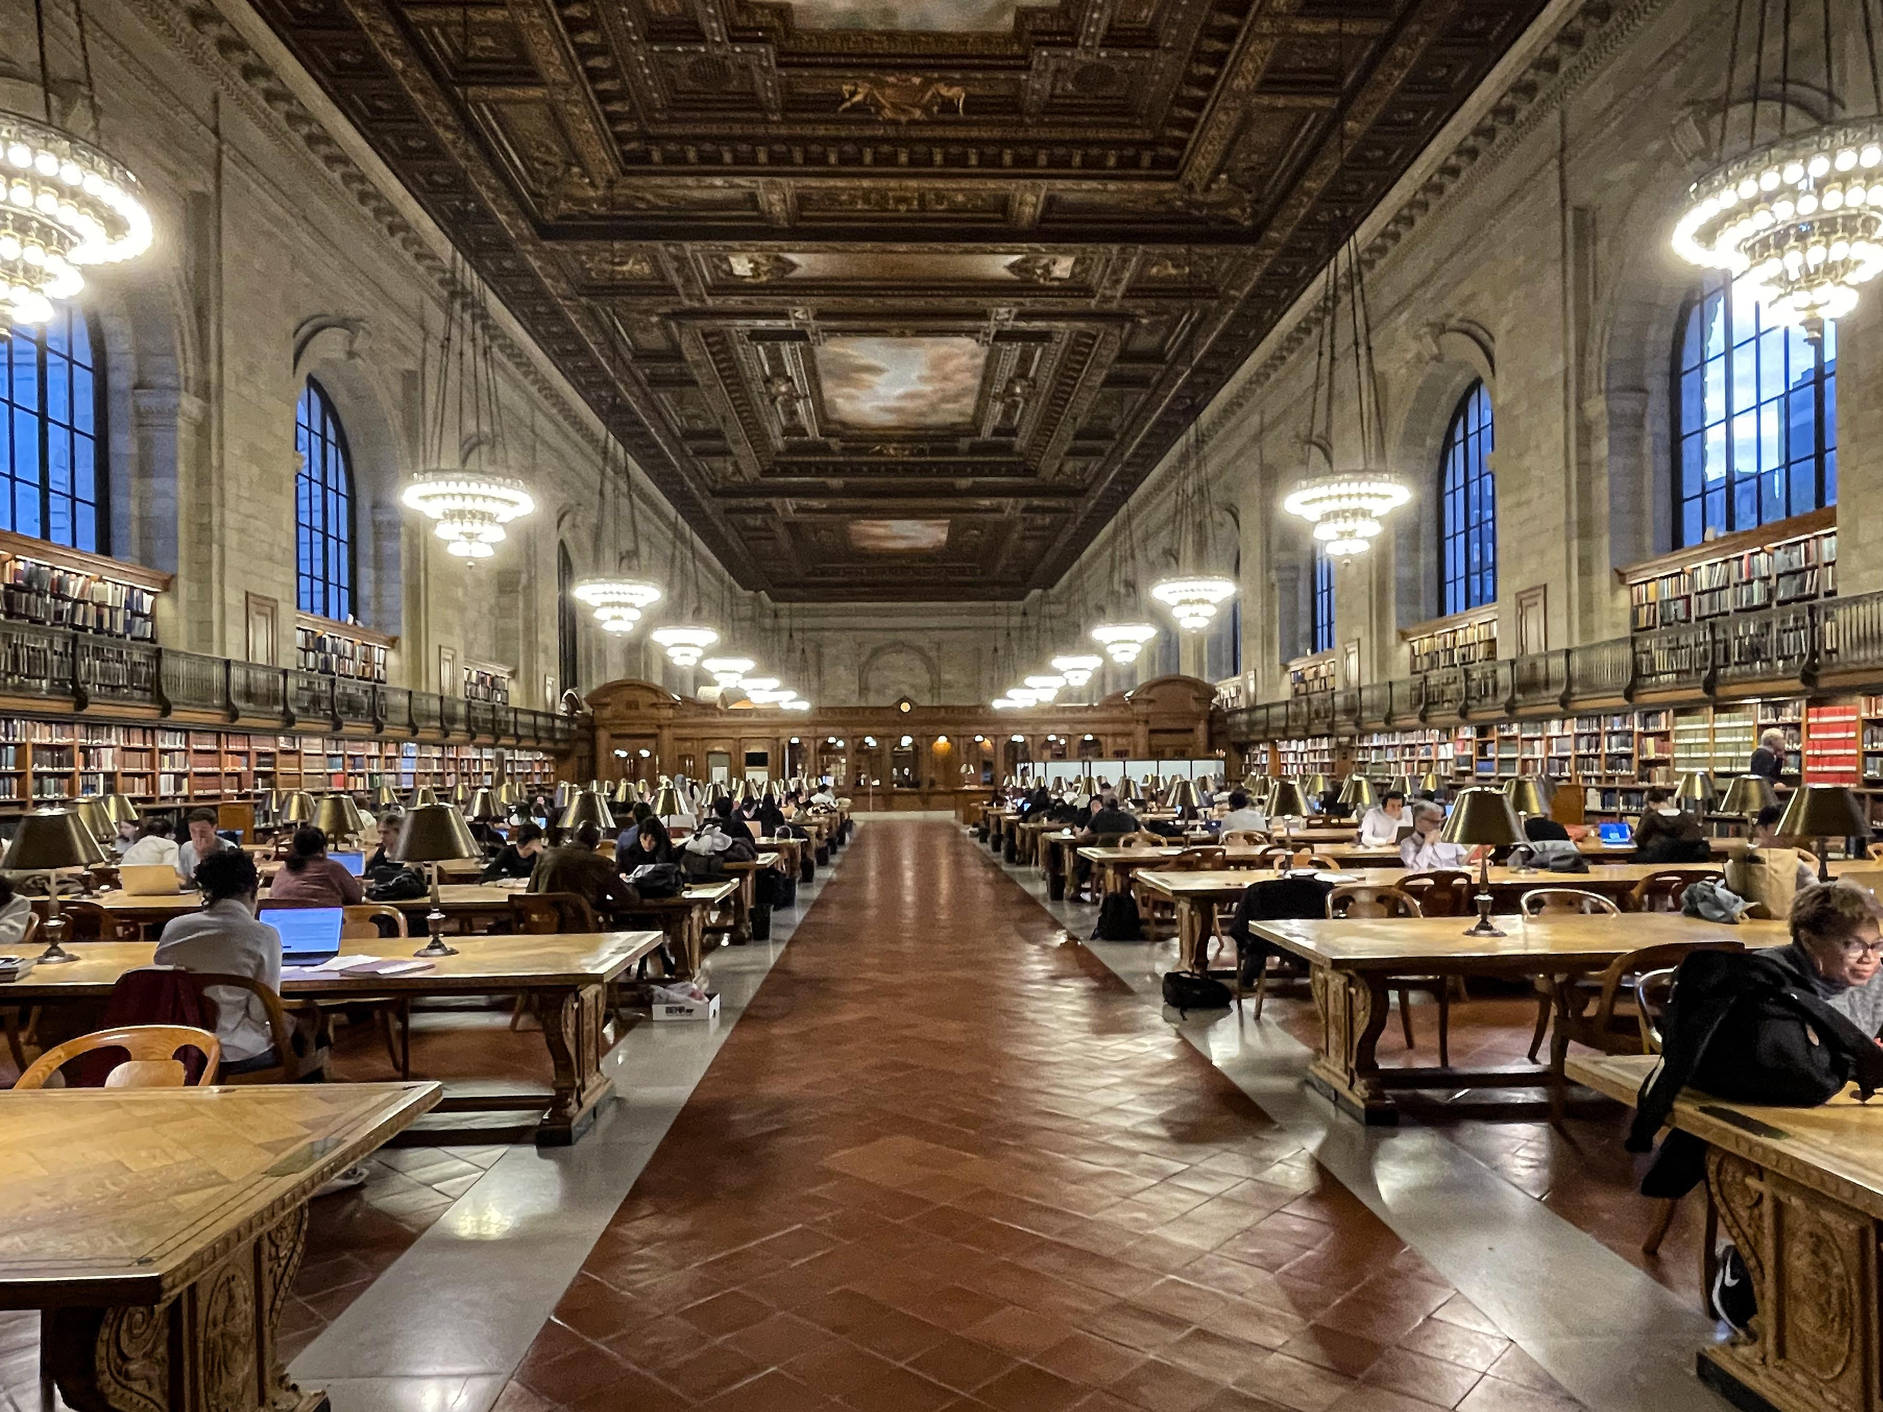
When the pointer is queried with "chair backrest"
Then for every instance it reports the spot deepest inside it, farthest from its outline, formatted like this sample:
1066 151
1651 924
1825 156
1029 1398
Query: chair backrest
1876 853
1441 892
362 919
1620 979
1244 838
1372 900
288 1069
545 913
1279 851
149 1056
1661 892
1652 991
1546 901
1114 840
87 921
1194 860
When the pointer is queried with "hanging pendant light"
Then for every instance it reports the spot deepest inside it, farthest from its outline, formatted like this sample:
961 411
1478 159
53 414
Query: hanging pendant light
469 508
1193 593
1123 641
1797 218
1045 685
1348 503
727 672
1077 667
1193 601
617 602
684 643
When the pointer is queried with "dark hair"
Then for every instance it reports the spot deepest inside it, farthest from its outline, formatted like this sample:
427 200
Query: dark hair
202 816
1769 816
394 815
309 843
1657 796
1238 800
1393 794
642 811
527 833
156 826
226 873
657 831
6 889
1829 912
588 836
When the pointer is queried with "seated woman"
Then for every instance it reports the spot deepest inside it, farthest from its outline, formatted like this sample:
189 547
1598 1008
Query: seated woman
651 844
15 910
154 844
518 857
226 938
309 875
1425 849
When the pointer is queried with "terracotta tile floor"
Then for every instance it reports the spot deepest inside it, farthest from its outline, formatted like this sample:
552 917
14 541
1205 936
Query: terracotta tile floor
945 1161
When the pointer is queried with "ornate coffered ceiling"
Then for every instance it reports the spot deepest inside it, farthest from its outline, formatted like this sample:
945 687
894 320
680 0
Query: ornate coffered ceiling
898 298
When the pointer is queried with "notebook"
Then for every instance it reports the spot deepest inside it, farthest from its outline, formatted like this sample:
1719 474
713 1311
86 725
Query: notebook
1619 835
148 879
309 935
354 863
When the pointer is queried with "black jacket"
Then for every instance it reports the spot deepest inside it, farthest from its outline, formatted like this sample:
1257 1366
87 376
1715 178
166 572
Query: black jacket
1765 762
509 864
1274 900
1112 821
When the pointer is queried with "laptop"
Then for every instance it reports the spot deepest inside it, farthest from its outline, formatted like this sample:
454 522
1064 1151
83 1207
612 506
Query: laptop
354 863
149 880
1618 835
309 935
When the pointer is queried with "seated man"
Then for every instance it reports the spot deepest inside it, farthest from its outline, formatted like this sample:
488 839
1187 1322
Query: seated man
1380 827
203 841
1425 849
1667 833
1107 818
518 857
1242 814
225 937
577 868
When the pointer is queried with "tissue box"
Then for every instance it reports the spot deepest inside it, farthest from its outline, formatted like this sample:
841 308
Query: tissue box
707 1009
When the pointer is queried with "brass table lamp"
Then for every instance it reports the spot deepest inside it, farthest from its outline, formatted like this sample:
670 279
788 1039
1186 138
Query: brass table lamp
423 797
385 797
429 835
1525 797
1823 811
1183 799
1696 787
588 808
297 807
337 816
565 793
482 807
1749 796
666 804
1286 801
50 841
119 809
1356 792
1482 816
1315 788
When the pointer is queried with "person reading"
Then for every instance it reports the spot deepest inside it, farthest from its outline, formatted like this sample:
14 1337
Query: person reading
1425 849
1667 833
309 875
517 858
1242 814
226 938
577 868
1380 827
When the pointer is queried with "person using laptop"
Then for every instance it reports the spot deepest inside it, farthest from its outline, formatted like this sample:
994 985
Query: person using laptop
1382 823
389 825
203 841
226 937
309 875
518 857
154 845
1242 814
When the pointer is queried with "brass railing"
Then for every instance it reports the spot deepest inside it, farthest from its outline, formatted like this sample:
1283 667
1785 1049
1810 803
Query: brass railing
1788 648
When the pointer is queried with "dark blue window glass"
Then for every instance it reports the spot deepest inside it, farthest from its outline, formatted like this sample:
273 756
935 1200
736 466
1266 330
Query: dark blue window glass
51 419
1467 499
1321 628
323 509
1755 418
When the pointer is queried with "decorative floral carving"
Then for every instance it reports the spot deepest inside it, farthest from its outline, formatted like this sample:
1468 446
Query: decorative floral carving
903 98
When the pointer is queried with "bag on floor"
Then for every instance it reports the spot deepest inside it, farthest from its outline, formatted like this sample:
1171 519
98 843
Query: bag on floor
785 890
761 921
1118 919
807 866
1185 991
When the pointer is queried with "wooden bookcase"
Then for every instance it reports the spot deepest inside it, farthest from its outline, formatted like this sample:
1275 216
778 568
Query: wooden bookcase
340 649
46 583
1457 641
1793 561
1308 675
485 682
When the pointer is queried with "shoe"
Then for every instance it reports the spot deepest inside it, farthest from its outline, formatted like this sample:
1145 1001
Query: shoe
1733 1299
343 1181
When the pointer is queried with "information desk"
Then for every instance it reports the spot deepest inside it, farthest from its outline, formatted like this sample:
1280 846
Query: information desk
567 976
1354 962
161 1229
1799 1192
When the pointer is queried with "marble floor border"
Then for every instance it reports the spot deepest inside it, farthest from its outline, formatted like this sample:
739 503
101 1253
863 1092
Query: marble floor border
1615 1337
444 1327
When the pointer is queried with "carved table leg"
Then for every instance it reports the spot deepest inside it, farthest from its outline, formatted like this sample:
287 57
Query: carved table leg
1353 1013
210 1349
572 1027
742 908
1055 873
1191 940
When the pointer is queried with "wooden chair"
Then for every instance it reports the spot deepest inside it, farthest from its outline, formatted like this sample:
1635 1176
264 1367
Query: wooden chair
1652 991
1370 900
1558 902
546 913
1151 906
1243 838
1661 892
392 1014
87 921
1441 892
18 1019
291 1065
150 1057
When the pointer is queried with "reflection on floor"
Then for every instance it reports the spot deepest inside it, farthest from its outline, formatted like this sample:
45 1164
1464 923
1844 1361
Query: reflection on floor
943 1159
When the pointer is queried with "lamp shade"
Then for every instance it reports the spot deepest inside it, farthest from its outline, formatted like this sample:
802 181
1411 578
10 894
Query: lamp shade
1287 801
625 792
1357 792
1524 796
1482 815
565 793
460 794
1696 787
1182 796
483 806
666 803
1748 794
92 817
385 797
1400 784
1314 786
588 808
51 838
297 807
424 796
337 816
509 792
119 809
748 790
1824 811
431 833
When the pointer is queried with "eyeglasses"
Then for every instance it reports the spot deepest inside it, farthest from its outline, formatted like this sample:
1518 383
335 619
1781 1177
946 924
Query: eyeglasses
1859 950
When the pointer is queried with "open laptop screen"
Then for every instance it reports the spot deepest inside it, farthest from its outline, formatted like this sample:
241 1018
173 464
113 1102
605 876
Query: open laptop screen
354 863
309 935
1616 835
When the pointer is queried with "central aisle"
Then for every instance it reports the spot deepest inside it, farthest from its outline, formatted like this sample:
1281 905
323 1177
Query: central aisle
947 1160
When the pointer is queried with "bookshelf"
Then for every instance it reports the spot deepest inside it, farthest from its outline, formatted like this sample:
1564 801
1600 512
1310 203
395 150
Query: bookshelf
1308 675
1794 561
484 682
1457 641
58 587
1832 751
340 649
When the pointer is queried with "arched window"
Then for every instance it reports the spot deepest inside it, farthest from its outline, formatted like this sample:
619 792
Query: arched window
323 509
565 618
51 440
1755 418
1467 507
1321 623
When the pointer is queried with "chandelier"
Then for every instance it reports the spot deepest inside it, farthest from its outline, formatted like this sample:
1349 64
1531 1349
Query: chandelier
1123 641
1193 593
1798 216
1193 601
1044 685
1346 504
727 671
1077 667
618 602
469 508
684 644
63 204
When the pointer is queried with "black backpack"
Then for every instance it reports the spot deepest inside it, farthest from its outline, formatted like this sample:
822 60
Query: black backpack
1185 991
658 880
404 885
1118 919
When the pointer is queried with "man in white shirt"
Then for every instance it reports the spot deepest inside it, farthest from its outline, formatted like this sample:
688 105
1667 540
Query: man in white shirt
824 799
1380 827
226 938
1425 849
203 841
1242 814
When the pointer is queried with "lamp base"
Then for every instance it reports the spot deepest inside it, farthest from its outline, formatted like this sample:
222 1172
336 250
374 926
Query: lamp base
54 955
1483 926
434 924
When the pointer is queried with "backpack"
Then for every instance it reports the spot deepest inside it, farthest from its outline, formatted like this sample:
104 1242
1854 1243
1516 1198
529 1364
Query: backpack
658 880
1118 919
1185 991
406 885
